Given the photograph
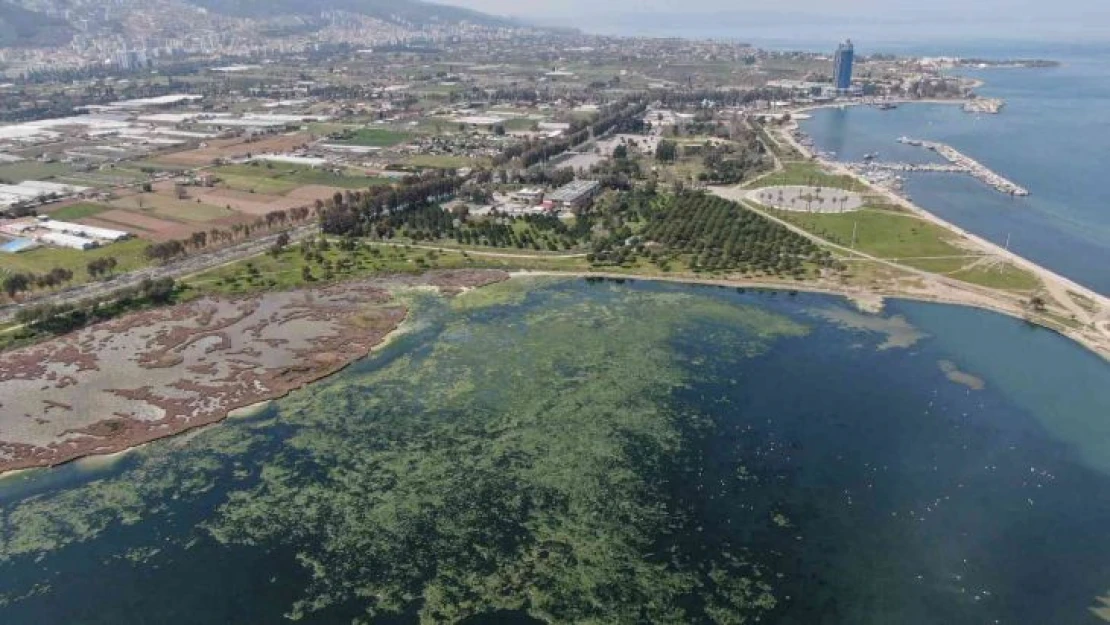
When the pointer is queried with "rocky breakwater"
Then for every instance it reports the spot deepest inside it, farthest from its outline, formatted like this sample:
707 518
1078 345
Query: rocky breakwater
157 373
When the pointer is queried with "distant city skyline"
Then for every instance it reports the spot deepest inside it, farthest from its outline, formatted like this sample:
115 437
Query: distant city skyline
887 20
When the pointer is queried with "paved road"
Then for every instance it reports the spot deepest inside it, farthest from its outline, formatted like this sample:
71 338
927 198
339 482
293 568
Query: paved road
175 269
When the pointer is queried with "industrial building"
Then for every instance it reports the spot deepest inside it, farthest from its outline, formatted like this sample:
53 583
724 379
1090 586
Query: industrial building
35 191
529 196
57 233
575 195
81 230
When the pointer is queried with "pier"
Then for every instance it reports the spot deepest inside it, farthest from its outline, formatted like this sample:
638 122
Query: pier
959 163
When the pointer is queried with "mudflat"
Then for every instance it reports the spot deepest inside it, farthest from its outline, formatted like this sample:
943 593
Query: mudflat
157 373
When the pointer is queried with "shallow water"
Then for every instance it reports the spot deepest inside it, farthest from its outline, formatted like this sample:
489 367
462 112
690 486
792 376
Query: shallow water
623 452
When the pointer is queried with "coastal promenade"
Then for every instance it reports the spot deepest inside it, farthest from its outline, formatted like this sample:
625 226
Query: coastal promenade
1089 309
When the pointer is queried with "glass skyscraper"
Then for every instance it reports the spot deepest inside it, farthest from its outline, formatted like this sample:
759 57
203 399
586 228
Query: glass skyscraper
842 66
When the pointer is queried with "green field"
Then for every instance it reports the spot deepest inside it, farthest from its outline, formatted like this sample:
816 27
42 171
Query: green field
257 184
280 179
809 174
173 208
879 233
1002 276
912 242
286 269
129 254
78 211
32 170
377 137
519 123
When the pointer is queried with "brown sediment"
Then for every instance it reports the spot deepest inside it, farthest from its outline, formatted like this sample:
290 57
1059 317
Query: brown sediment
158 373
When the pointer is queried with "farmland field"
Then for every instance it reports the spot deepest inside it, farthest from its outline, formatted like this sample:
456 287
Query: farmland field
376 137
78 211
129 255
31 170
281 179
172 208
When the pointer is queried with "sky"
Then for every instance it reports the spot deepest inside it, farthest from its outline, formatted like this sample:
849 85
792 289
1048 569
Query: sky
753 20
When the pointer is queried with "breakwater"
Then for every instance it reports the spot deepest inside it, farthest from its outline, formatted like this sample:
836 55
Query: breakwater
965 164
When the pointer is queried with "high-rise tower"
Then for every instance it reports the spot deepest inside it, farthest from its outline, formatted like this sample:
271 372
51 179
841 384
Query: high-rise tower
842 66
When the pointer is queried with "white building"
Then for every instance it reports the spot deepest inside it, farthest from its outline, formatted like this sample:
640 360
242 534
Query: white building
67 240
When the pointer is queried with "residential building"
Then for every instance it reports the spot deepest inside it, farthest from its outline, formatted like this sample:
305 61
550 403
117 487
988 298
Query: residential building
842 66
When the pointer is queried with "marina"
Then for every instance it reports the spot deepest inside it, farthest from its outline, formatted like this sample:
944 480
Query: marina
959 163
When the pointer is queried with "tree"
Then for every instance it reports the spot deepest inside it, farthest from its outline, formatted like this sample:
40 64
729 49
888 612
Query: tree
666 151
279 244
620 152
17 283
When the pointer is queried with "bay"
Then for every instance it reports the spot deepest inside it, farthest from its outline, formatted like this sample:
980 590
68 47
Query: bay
568 450
1051 138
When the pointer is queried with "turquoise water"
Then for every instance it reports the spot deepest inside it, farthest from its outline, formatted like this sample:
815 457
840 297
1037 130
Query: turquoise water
1051 138
623 452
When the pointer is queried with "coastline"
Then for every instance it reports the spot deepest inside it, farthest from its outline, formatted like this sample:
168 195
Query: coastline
865 299
1094 332
247 404
244 411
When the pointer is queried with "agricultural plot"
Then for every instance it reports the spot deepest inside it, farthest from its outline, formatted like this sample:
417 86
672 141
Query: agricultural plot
32 170
234 148
373 137
171 208
128 255
280 179
77 211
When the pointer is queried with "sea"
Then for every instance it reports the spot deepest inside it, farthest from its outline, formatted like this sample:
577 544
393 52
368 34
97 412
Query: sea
1051 138
619 452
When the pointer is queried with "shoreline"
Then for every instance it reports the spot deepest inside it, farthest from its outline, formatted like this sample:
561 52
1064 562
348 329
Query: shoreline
866 300
238 412
1095 331
247 406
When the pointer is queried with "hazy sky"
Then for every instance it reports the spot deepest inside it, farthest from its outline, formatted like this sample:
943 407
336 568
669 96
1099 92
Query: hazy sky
918 19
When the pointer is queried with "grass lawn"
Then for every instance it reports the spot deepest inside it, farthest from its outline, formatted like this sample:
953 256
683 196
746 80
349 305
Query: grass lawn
78 211
879 233
377 137
811 174
1001 276
129 254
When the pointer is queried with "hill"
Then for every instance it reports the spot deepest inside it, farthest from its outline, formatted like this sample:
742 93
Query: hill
406 11
23 28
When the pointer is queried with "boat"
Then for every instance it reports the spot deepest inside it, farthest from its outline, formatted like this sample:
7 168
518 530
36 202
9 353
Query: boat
887 106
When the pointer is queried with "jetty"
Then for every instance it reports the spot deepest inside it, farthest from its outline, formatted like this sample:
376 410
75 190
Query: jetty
959 163
989 106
